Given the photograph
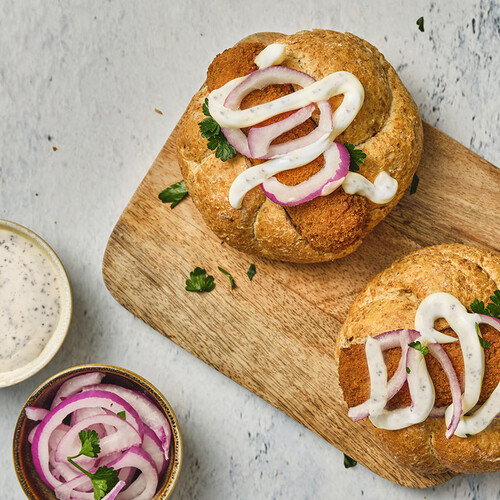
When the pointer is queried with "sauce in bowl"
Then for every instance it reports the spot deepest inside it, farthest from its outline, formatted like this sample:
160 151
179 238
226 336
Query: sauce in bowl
35 303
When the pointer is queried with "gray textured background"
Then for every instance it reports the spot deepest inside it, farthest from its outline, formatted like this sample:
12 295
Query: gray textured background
86 76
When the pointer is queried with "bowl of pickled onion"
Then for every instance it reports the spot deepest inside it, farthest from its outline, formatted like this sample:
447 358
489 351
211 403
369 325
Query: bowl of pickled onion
135 427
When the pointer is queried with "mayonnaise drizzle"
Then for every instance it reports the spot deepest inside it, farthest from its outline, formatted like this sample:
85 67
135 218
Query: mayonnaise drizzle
381 191
272 55
463 323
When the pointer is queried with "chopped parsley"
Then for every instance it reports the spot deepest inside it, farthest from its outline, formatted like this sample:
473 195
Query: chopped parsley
420 23
228 274
349 462
484 343
174 194
414 184
251 272
217 141
491 309
408 369
104 479
121 414
356 156
468 435
419 347
199 281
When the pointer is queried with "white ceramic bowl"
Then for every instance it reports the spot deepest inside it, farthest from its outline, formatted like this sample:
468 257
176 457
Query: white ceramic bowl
54 343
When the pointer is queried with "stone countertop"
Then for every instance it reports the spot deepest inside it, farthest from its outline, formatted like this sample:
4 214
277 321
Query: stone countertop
79 84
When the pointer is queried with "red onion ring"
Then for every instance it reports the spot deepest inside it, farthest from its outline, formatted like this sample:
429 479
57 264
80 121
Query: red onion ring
147 410
323 182
258 142
74 385
456 392
103 399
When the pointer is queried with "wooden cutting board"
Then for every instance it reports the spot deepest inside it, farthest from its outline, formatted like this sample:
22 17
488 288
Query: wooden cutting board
275 335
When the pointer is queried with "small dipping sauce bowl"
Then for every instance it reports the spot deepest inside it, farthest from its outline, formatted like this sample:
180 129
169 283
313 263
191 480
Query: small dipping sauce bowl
35 303
33 486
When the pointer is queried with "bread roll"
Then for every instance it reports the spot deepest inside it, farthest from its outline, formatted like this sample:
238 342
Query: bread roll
389 302
387 128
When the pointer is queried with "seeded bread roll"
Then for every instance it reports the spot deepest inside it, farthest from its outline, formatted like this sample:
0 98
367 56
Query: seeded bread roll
387 128
389 302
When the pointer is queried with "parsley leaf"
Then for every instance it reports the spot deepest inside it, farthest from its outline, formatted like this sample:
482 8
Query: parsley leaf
414 184
228 274
419 347
356 156
217 141
251 272
468 435
484 343
491 309
174 194
90 444
408 369
349 462
420 23
121 414
104 479
199 281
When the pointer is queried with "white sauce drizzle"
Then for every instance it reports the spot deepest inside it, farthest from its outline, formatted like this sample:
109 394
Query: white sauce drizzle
381 191
341 82
272 55
463 323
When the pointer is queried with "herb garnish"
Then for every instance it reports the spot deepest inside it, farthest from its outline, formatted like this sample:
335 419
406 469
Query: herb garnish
228 274
251 272
414 184
491 309
174 194
356 156
408 369
420 23
349 462
121 414
104 479
199 281
483 342
419 347
468 435
217 141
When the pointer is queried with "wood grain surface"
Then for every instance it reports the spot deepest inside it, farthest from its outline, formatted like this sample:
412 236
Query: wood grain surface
275 335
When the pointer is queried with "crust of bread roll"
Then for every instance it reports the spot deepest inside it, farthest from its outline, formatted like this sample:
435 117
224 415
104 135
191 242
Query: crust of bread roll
387 128
389 302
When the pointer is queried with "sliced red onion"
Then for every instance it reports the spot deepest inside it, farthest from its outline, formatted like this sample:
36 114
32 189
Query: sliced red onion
35 414
456 392
152 446
260 138
124 437
138 458
103 399
147 410
74 385
258 142
114 492
135 489
389 340
490 320
438 412
322 183
261 78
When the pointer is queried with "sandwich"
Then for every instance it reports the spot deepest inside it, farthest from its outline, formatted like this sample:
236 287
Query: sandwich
419 357
297 146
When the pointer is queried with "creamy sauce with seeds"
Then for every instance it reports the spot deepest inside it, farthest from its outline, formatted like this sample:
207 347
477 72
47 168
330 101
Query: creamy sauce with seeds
30 300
